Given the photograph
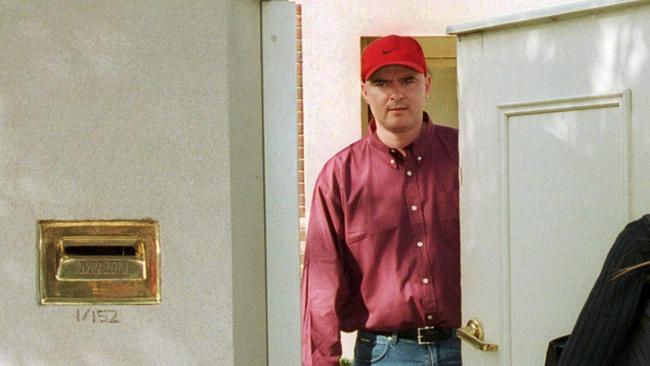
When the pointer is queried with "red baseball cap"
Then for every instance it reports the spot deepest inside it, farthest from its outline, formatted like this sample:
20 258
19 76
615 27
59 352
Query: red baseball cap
392 50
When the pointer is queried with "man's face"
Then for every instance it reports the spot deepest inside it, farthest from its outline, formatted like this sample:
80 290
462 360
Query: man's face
396 96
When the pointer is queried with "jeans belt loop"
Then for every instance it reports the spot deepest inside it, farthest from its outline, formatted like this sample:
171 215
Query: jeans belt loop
394 338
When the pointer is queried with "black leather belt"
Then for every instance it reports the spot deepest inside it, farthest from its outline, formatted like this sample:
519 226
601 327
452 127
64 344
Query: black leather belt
423 335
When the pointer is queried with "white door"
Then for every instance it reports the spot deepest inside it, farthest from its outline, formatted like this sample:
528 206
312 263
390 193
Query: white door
552 152
561 197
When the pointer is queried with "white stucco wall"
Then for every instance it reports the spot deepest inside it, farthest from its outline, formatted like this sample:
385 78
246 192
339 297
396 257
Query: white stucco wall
122 109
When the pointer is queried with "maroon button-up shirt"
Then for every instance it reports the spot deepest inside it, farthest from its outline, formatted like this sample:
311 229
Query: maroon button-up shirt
383 249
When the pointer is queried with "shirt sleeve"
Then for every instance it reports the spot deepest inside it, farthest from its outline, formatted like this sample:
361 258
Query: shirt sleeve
609 312
324 287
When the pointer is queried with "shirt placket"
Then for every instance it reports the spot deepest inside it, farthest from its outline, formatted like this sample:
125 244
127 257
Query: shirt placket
414 201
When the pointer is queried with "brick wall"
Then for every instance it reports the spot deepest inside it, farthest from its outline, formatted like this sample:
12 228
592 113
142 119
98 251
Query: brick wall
301 150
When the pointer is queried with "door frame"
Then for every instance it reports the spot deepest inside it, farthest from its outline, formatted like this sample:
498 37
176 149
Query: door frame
279 77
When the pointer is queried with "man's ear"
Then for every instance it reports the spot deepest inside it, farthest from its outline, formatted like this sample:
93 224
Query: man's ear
364 91
427 84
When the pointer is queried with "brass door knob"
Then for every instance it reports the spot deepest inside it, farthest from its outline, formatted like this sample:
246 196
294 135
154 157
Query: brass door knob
473 333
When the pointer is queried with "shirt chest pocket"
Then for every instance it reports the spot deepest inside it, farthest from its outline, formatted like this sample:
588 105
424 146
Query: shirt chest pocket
373 222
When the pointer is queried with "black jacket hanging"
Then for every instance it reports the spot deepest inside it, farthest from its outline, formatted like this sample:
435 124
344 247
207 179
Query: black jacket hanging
613 327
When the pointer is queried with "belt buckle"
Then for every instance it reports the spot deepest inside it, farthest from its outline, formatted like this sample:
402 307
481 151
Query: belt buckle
421 336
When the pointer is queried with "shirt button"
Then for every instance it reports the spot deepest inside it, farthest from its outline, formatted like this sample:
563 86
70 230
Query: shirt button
409 173
414 208
425 280
429 317
419 158
392 150
420 244
392 161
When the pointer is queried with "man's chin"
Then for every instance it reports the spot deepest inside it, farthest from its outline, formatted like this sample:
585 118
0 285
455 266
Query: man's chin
399 126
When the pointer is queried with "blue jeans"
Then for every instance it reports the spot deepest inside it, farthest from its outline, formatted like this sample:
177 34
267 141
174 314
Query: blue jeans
379 350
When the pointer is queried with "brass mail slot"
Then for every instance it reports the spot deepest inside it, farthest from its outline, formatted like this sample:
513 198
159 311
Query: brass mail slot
99 262
101 258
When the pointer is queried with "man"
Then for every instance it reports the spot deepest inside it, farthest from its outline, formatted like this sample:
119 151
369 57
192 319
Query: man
382 252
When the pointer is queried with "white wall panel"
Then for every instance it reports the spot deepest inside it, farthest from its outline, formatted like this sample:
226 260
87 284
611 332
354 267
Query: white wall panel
125 109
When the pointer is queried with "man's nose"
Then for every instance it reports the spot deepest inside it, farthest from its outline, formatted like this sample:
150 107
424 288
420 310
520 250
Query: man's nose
397 92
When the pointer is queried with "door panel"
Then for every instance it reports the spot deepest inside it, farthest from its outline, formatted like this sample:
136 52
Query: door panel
561 194
567 193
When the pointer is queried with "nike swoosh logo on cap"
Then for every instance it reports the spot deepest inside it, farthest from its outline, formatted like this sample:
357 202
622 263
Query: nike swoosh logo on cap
385 52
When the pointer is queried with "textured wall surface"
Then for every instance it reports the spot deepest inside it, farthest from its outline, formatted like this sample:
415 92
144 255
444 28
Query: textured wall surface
128 109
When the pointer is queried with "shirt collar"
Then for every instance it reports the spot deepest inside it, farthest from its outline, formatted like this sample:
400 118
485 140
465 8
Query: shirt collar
419 146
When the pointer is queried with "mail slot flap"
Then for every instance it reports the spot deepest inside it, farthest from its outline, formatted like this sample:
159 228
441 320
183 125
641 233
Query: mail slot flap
101 258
